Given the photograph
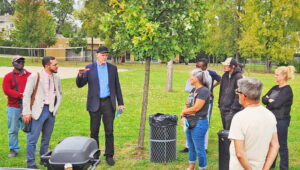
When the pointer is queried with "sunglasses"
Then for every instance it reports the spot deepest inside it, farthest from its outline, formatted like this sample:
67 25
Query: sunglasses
20 61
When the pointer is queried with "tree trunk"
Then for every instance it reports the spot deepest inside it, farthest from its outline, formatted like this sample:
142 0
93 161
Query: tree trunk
112 60
145 104
169 76
237 55
268 65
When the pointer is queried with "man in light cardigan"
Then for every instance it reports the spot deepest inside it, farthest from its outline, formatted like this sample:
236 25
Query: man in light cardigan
45 106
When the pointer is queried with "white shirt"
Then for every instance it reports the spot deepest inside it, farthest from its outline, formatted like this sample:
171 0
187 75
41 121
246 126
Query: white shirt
254 125
46 83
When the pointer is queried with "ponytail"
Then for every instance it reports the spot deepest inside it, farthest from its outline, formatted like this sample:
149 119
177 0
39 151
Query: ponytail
290 72
202 76
287 71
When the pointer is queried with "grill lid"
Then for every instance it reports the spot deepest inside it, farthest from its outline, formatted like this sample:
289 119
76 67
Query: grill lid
74 150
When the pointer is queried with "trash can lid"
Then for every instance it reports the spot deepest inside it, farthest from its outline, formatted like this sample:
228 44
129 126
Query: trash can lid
162 120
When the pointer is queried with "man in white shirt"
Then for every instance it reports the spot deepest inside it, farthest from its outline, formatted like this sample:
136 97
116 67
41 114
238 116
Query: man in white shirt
253 133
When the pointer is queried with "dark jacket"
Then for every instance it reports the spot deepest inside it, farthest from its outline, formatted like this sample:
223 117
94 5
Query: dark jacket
283 100
228 100
91 77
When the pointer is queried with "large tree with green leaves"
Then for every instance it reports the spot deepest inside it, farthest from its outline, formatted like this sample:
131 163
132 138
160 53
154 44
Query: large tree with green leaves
35 26
62 10
7 7
224 29
270 30
156 29
94 16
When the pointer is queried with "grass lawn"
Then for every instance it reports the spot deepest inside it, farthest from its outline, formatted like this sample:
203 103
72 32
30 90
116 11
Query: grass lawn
73 119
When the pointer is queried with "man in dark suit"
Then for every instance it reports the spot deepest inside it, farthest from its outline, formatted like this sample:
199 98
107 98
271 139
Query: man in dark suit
103 91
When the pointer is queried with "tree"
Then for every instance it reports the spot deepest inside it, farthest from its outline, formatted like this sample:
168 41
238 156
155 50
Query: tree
7 7
269 30
34 25
156 29
62 11
93 19
67 30
78 42
224 29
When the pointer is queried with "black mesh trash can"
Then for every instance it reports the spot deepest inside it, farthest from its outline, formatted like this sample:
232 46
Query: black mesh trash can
162 137
224 154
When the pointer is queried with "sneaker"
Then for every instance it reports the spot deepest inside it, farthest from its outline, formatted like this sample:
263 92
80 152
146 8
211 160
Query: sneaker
110 161
12 153
184 150
32 167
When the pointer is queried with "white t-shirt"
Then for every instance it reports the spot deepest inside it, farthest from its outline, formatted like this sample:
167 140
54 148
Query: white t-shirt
254 125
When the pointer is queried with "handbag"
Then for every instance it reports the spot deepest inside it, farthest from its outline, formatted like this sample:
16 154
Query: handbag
192 120
27 126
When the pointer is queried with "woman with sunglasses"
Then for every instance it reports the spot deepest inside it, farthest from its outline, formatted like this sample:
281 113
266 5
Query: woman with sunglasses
198 110
279 101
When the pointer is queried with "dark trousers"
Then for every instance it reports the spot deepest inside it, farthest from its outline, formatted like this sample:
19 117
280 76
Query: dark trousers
108 114
226 119
282 131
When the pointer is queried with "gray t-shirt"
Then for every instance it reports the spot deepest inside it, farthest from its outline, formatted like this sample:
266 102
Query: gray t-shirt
204 94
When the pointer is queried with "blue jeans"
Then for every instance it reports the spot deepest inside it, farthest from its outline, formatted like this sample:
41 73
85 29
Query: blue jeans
13 115
195 138
211 104
282 130
44 124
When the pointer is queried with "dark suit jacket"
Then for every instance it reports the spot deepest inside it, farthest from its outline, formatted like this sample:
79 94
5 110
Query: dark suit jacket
91 77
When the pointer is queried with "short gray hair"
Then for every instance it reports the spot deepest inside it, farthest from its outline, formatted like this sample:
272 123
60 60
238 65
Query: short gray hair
250 87
201 75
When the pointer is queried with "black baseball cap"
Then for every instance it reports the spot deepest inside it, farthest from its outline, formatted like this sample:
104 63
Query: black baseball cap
102 49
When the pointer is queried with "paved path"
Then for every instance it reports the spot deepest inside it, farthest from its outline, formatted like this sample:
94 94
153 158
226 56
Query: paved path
63 72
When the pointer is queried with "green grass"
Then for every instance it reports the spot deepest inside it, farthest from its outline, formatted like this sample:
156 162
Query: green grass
73 119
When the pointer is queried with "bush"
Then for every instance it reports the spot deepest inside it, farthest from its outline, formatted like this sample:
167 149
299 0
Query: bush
6 43
296 64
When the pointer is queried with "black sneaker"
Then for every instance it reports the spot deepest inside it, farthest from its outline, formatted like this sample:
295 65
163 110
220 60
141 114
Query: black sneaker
184 150
12 153
32 167
110 161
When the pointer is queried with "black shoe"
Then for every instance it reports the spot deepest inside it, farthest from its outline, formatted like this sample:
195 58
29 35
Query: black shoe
184 150
32 167
110 161
12 153
206 151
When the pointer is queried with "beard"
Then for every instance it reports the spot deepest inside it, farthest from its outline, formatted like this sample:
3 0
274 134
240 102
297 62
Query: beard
53 71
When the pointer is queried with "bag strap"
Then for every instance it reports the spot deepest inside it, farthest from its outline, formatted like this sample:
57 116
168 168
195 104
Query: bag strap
195 96
35 90
15 80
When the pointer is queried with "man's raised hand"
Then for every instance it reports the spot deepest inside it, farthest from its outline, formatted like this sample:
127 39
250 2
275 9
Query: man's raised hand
81 71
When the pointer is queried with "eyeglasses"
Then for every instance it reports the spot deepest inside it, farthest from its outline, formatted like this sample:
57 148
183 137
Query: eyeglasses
237 91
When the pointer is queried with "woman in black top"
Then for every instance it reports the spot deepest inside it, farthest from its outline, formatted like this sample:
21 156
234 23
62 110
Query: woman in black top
279 101
196 110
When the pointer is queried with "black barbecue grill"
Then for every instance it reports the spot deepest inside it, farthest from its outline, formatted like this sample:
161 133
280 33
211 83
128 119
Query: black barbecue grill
81 152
